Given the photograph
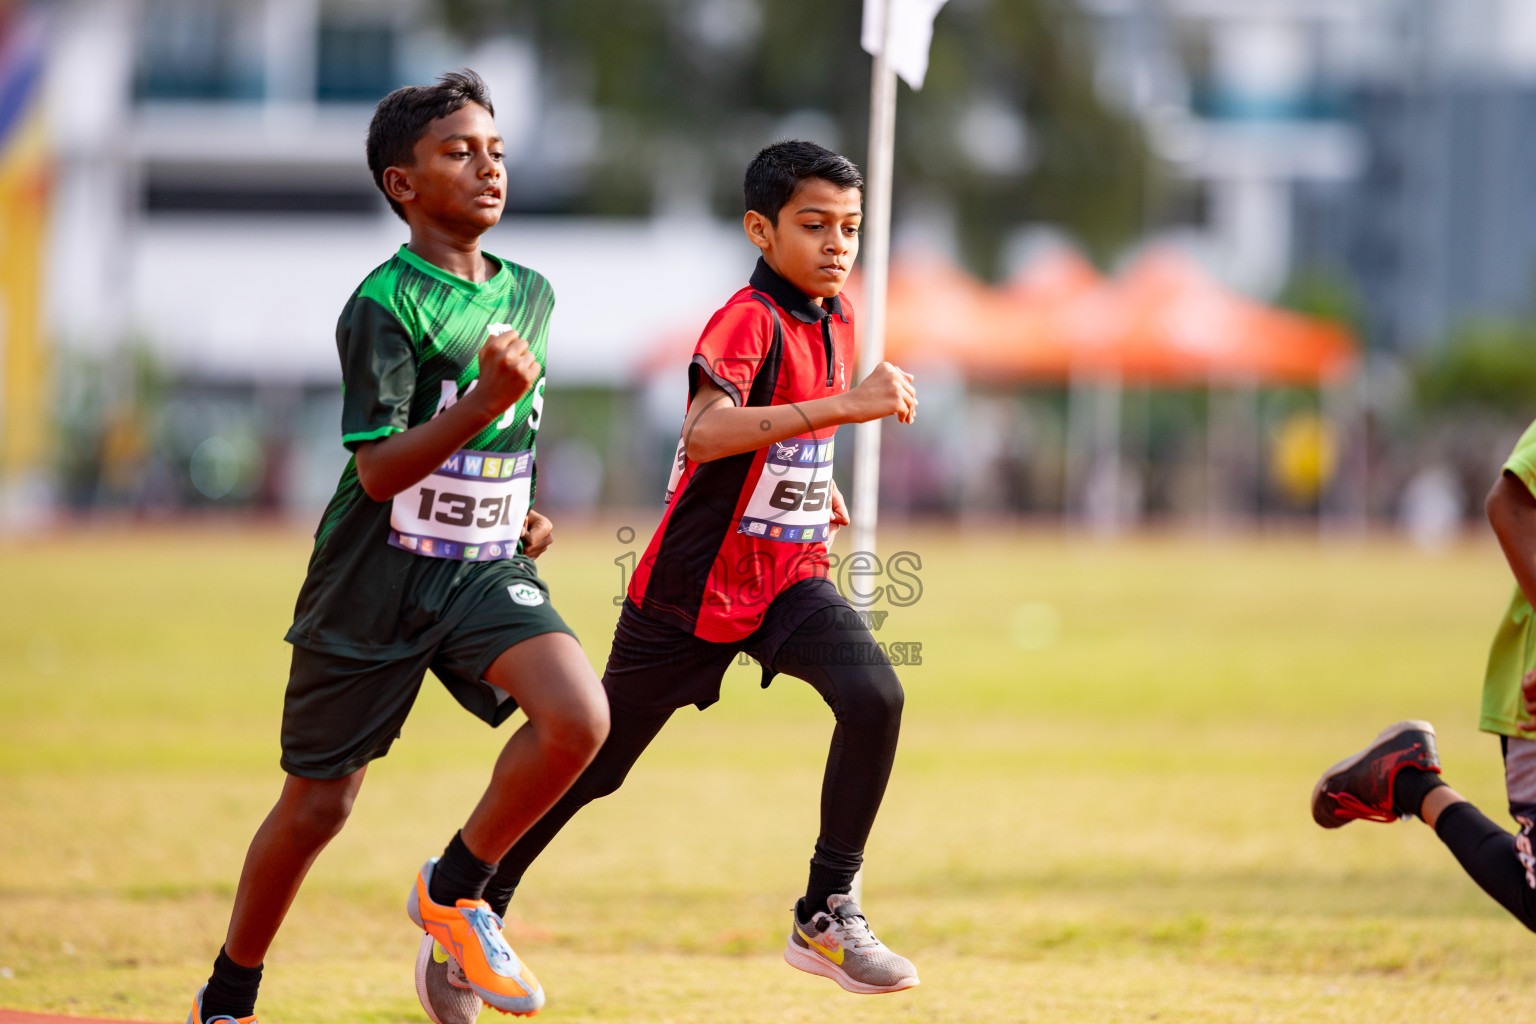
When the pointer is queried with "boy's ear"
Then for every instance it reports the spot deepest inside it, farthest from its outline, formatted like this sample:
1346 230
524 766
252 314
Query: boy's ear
397 184
759 229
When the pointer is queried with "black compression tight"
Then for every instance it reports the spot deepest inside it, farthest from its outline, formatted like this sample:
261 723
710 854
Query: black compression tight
835 653
629 733
1492 857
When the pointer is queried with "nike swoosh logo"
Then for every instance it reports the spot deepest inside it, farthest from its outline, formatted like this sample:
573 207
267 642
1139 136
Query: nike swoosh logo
833 953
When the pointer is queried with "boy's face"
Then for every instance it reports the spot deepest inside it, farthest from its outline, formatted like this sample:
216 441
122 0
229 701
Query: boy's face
816 239
458 182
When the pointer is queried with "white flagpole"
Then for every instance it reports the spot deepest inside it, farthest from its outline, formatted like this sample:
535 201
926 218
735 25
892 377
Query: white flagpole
876 250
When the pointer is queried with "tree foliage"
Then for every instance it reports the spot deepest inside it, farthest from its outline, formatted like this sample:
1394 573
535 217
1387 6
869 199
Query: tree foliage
1490 364
688 90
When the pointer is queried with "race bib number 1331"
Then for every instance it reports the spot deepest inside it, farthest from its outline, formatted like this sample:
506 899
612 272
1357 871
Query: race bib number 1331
471 509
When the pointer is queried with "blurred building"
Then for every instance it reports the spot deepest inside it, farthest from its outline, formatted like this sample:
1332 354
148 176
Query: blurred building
214 200
1241 99
1440 226
213 209
1388 140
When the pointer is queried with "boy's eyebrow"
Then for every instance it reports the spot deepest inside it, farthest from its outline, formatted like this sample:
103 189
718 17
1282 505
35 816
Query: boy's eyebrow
818 209
466 137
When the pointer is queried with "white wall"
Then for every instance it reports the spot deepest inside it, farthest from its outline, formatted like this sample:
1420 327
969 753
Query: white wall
254 298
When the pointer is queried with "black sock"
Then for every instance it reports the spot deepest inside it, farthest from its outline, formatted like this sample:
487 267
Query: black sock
459 874
1490 856
824 882
231 990
499 896
1410 788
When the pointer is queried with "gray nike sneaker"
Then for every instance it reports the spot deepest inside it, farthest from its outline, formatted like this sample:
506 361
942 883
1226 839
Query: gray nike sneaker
836 943
441 986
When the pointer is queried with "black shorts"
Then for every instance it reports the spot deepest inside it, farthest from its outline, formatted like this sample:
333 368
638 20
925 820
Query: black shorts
341 712
656 666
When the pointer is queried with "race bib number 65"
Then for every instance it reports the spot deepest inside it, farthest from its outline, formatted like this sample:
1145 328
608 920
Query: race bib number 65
471 509
792 501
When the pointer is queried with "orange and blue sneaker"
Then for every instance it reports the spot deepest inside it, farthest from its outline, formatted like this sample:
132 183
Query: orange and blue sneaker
1360 787
441 986
196 1016
470 933
836 943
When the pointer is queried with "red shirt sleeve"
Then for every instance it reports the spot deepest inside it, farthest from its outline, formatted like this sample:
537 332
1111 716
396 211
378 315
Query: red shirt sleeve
732 348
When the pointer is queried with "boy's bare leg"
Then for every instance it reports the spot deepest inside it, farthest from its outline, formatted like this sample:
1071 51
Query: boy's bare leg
306 817
551 680
549 677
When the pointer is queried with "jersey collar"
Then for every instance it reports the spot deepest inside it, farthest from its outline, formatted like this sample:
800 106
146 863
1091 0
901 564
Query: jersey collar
432 270
791 299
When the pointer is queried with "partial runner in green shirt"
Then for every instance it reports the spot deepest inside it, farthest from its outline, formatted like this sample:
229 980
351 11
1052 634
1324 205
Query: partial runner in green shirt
1398 775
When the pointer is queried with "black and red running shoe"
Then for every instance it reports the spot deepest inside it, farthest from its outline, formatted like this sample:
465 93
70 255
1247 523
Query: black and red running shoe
1360 786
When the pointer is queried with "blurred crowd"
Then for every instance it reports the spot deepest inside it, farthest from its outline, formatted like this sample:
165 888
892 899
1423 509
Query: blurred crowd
1367 165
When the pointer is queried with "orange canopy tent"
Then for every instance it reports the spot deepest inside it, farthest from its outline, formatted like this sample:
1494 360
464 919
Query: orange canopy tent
937 313
1163 321
934 310
1167 321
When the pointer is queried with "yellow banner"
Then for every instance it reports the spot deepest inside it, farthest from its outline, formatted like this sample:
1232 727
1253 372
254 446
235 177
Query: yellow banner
24 406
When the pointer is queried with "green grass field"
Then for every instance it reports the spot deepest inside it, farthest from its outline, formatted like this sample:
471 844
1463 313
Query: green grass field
1101 822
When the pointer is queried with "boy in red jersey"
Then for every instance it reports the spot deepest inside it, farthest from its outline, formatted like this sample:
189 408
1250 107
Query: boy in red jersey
739 562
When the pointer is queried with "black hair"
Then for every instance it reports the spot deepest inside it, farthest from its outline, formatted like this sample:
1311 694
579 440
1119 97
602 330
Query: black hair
776 171
402 117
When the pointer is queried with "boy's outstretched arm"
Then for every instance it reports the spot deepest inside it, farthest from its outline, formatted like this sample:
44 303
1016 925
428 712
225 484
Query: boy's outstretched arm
507 371
716 428
1511 512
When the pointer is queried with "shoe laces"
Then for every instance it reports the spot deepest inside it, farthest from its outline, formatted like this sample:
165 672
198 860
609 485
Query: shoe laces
488 924
855 931
1358 808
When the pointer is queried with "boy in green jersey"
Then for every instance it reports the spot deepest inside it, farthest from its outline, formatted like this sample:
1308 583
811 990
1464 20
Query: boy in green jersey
423 559
1399 774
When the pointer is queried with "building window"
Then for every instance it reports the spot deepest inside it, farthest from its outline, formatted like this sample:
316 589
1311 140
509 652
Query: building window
195 51
356 63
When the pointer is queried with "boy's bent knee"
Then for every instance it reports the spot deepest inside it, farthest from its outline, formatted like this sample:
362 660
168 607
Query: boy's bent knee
870 695
577 732
318 808
599 780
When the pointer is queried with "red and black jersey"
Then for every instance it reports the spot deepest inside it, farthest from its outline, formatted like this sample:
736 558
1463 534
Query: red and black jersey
741 529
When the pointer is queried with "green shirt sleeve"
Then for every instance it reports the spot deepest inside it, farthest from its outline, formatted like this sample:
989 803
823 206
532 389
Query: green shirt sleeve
1513 652
378 372
1522 461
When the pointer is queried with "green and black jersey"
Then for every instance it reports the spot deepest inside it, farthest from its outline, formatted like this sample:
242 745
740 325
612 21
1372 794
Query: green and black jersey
409 340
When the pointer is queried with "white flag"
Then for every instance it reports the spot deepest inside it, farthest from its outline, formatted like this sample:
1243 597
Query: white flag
911 34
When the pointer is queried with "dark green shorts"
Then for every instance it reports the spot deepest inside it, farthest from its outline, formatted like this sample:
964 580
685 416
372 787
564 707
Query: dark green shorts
342 712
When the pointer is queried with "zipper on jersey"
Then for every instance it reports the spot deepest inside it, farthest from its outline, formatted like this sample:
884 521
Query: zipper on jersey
826 337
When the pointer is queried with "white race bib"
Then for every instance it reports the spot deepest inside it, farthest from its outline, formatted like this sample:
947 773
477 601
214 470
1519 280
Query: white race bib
470 509
679 460
793 497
